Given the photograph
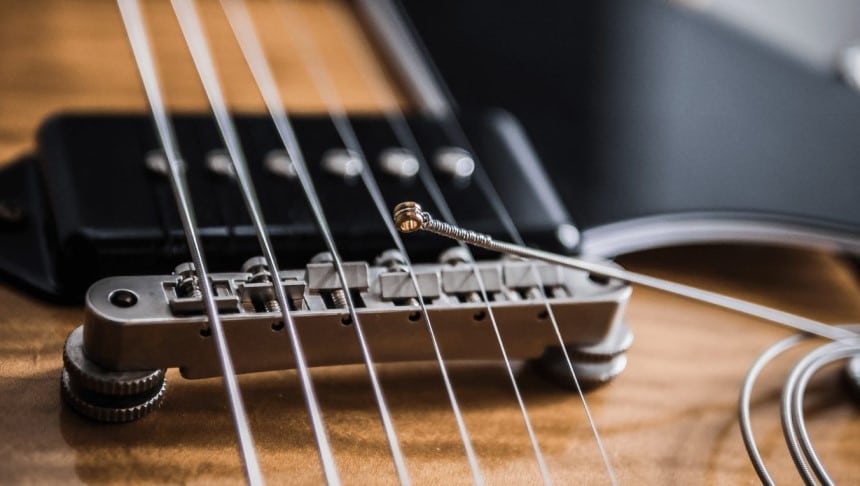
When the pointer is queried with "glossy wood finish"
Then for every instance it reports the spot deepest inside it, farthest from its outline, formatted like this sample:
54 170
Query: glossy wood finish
670 419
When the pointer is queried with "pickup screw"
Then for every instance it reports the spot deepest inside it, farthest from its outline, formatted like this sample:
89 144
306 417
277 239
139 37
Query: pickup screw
338 296
455 162
343 163
394 261
259 270
189 283
457 255
399 163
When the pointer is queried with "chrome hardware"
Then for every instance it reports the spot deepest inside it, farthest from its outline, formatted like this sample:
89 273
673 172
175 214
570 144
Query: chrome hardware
189 284
397 285
162 326
323 278
259 274
462 280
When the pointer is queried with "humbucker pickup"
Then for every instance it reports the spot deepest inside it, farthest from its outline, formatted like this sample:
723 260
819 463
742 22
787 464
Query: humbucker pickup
157 322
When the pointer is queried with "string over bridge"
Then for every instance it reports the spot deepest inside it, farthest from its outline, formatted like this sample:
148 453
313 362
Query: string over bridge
161 325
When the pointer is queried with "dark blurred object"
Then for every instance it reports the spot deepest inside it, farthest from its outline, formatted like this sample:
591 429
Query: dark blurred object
659 125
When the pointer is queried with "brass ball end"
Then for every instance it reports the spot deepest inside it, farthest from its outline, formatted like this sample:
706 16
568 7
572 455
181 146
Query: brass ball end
408 217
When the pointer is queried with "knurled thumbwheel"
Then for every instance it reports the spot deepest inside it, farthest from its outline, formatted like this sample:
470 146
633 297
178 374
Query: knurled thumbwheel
617 341
588 374
111 409
105 395
99 380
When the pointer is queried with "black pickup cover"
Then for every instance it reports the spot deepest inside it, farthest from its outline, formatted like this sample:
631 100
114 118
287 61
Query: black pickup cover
95 210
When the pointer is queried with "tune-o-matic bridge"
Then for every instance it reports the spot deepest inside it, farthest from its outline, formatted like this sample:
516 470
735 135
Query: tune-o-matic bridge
157 322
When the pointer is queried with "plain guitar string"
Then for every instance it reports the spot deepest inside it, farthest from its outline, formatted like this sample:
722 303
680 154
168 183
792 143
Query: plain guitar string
134 25
456 133
243 29
323 83
195 38
322 80
132 19
383 91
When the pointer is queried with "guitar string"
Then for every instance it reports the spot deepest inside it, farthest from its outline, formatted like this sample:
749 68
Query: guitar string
195 38
456 132
243 29
291 144
744 419
791 410
322 80
601 269
744 412
797 407
138 38
383 92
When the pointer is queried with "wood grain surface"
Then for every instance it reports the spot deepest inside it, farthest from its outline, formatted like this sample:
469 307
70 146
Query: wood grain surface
669 419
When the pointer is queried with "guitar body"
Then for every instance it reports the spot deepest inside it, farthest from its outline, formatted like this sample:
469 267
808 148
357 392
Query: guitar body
670 418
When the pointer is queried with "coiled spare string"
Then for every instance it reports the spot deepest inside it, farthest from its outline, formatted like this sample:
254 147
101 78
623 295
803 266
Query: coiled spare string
195 39
423 220
134 25
744 419
791 411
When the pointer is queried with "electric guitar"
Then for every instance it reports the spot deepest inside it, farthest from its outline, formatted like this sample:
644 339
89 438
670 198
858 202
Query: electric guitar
582 130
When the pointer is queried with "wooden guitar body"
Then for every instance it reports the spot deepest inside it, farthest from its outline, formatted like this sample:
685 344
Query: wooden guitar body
670 418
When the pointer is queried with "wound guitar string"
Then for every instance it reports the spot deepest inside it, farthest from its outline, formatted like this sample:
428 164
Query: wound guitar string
138 38
411 217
